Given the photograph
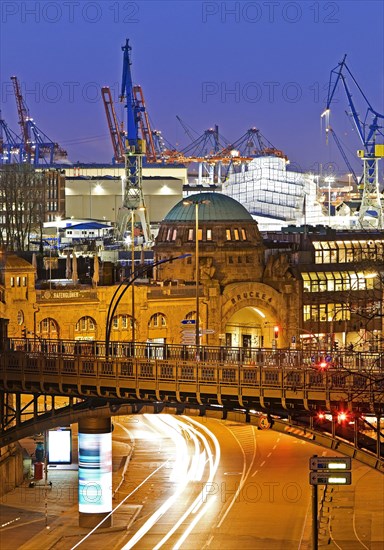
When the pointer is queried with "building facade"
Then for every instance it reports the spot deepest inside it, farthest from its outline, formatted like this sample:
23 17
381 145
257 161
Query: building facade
274 291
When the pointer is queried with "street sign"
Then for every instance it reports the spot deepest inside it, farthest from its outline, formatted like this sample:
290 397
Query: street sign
188 333
330 463
330 478
188 322
188 342
207 331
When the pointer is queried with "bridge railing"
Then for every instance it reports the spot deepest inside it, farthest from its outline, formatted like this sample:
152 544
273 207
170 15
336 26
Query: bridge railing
219 355
132 371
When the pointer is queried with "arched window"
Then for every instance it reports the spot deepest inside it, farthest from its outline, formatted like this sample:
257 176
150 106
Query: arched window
48 328
191 315
85 325
158 320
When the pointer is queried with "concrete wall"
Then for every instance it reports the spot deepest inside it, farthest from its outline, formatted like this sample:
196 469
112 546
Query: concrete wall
11 468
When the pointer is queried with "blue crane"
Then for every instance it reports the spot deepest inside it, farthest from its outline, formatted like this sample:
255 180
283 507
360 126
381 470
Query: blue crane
35 146
133 197
10 147
368 128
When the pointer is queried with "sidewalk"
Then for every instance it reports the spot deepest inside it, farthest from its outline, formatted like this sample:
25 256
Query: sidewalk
43 516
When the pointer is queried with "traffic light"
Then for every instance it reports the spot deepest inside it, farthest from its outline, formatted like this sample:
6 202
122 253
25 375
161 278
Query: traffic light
342 417
24 332
323 364
276 332
335 345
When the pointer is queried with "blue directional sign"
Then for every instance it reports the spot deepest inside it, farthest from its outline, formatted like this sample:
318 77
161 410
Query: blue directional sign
188 322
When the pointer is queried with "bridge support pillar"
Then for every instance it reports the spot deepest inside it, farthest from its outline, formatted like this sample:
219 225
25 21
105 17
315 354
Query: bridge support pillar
95 472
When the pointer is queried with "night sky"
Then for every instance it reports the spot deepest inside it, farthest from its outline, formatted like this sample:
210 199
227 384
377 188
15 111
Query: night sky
235 64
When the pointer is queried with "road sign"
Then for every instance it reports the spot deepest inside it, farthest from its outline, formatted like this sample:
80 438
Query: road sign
188 333
330 478
330 463
188 341
188 322
207 331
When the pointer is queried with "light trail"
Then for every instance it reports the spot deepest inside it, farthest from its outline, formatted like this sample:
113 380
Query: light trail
202 497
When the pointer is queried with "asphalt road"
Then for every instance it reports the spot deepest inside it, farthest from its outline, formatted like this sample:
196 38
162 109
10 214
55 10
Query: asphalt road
198 483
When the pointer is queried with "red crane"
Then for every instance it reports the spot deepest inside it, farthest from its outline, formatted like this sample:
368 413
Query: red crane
22 110
114 130
145 127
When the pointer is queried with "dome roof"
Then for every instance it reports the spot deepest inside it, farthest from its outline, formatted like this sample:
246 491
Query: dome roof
218 207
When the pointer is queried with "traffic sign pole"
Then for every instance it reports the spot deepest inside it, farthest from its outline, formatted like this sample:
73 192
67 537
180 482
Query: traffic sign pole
315 537
326 471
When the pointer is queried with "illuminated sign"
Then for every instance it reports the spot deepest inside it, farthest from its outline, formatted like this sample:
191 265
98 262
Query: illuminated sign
330 478
330 463
95 473
60 446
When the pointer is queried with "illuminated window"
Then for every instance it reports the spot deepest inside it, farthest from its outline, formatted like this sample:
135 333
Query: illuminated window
243 235
236 234
174 234
209 234
85 324
228 234
157 321
190 234
48 328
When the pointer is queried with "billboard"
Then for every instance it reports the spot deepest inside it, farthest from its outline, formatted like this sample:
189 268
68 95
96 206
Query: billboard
95 473
60 446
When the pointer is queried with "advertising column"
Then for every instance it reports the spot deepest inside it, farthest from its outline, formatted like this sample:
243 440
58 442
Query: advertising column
95 472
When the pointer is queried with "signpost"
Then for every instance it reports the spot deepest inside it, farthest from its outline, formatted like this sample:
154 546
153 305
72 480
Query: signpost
326 471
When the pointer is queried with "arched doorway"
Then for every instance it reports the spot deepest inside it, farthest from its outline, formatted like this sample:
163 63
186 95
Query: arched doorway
250 327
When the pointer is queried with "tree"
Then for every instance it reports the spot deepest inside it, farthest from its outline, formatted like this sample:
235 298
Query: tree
23 206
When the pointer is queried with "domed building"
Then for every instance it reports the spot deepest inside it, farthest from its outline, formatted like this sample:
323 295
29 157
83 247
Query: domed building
243 296
244 290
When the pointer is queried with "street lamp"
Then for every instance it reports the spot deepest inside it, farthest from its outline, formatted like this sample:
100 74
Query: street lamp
197 203
128 281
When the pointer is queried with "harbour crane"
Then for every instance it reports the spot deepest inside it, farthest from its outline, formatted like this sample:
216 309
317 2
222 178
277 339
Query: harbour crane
36 146
10 147
368 128
133 196
115 132
346 160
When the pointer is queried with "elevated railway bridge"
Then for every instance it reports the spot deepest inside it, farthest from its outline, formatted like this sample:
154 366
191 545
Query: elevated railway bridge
339 396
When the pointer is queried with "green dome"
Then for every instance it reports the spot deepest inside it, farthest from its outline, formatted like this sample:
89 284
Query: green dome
218 207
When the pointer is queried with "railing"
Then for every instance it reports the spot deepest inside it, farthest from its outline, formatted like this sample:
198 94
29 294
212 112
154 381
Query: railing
266 357
274 380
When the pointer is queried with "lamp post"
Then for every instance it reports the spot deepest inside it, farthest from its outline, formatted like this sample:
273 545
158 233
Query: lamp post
128 281
197 203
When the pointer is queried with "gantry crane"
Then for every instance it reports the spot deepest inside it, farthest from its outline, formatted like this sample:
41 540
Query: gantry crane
133 196
35 145
117 135
370 213
10 149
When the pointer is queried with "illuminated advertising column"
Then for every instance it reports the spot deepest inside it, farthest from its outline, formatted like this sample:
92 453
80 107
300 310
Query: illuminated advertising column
95 472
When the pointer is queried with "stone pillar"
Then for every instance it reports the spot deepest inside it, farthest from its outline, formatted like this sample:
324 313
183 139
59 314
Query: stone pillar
95 471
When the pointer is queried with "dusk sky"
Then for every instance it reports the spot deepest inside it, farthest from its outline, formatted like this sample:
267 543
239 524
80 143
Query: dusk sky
235 64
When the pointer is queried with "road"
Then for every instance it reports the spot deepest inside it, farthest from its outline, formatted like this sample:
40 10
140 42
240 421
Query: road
182 482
